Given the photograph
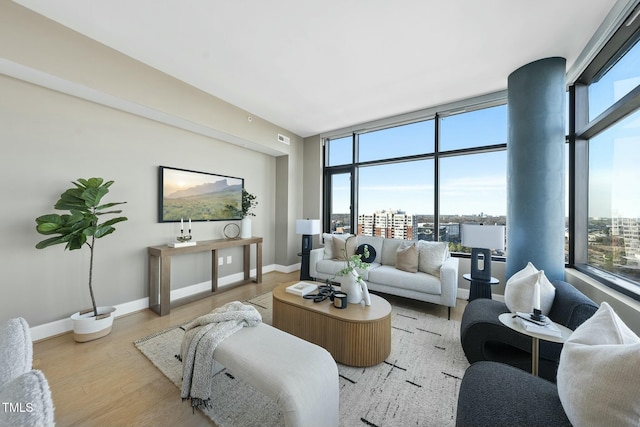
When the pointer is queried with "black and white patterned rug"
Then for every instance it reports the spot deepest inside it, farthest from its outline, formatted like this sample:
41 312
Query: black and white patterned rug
416 385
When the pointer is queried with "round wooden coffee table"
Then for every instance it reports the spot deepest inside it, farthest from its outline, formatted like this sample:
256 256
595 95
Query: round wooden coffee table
355 336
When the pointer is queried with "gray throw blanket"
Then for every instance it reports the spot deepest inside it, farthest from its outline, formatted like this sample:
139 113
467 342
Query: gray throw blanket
201 338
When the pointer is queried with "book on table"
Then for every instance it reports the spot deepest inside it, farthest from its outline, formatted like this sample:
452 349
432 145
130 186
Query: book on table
545 327
301 288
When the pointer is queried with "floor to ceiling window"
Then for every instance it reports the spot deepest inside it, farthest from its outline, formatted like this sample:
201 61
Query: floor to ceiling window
420 180
607 155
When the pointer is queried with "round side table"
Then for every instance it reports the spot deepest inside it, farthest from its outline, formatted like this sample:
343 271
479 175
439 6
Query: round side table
479 288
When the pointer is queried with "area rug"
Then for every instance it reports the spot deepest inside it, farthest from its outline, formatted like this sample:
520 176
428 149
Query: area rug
416 385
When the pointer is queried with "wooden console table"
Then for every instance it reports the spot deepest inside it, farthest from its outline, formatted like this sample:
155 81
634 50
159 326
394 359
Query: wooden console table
160 268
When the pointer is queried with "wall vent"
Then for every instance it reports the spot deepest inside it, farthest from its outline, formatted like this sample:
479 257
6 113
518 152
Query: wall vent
284 139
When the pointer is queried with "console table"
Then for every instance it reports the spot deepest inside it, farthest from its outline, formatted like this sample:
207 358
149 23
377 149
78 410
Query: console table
160 268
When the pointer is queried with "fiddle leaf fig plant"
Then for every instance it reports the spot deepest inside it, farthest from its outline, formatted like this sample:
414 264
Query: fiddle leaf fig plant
81 226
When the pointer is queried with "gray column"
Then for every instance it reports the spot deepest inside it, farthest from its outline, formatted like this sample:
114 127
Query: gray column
535 167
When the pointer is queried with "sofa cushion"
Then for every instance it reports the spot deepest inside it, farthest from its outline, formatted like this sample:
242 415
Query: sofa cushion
16 350
331 267
431 255
407 258
598 372
365 247
343 247
328 245
419 282
389 251
518 292
26 401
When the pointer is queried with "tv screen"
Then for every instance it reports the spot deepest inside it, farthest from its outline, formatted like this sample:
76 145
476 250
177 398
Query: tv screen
199 196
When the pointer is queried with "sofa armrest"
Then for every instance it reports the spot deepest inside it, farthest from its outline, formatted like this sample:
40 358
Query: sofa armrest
495 394
315 256
570 307
480 326
449 281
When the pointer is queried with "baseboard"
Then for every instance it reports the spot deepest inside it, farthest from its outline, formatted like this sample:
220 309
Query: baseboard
62 326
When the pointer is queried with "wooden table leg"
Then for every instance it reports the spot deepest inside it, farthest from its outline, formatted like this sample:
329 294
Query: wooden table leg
214 270
154 291
246 254
165 285
259 262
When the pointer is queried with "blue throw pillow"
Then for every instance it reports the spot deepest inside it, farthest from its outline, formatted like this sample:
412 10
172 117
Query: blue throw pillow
372 253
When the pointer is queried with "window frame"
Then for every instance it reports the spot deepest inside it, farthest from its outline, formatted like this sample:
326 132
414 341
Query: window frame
471 105
581 131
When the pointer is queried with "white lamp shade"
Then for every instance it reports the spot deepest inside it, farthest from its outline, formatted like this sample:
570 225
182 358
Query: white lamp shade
483 236
308 226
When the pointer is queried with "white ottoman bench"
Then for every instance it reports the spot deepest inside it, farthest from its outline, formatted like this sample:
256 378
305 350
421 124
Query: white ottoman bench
301 377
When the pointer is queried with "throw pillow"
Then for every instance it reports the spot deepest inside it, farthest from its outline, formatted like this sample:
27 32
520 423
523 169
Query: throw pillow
598 372
407 258
16 350
372 253
518 292
328 245
344 248
431 255
526 271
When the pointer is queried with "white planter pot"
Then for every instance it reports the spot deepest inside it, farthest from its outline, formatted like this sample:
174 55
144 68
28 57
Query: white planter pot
87 328
350 286
245 227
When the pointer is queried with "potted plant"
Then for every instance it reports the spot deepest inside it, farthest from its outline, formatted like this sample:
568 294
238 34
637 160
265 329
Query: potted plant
76 229
351 281
248 204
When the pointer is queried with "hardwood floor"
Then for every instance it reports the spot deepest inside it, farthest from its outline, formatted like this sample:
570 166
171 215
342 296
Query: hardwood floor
108 382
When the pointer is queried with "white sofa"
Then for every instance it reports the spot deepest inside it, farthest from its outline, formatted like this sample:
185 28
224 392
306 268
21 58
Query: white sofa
436 280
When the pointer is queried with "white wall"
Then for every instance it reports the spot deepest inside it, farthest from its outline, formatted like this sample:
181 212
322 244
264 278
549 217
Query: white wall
49 138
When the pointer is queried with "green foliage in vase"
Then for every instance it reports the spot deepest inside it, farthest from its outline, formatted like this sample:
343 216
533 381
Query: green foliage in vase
354 262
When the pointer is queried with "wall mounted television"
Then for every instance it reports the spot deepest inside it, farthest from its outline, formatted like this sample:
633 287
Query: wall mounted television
199 196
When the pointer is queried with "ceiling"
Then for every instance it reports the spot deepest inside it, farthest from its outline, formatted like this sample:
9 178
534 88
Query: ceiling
316 66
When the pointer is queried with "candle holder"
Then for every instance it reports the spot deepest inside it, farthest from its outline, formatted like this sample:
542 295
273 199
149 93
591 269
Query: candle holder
182 238
538 316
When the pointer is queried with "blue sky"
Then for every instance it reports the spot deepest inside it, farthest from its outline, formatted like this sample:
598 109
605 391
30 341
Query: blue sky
474 184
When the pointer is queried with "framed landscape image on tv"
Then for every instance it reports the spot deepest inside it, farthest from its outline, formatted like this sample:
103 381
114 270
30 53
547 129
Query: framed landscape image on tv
199 196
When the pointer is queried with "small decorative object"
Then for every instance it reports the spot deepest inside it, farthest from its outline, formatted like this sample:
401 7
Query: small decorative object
76 229
248 204
537 313
231 230
351 281
340 300
183 240
301 288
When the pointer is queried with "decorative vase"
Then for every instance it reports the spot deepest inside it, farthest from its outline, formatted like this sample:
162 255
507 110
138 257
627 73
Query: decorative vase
86 327
350 286
245 227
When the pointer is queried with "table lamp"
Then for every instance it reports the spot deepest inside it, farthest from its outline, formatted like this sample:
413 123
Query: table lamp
308 228
482 239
